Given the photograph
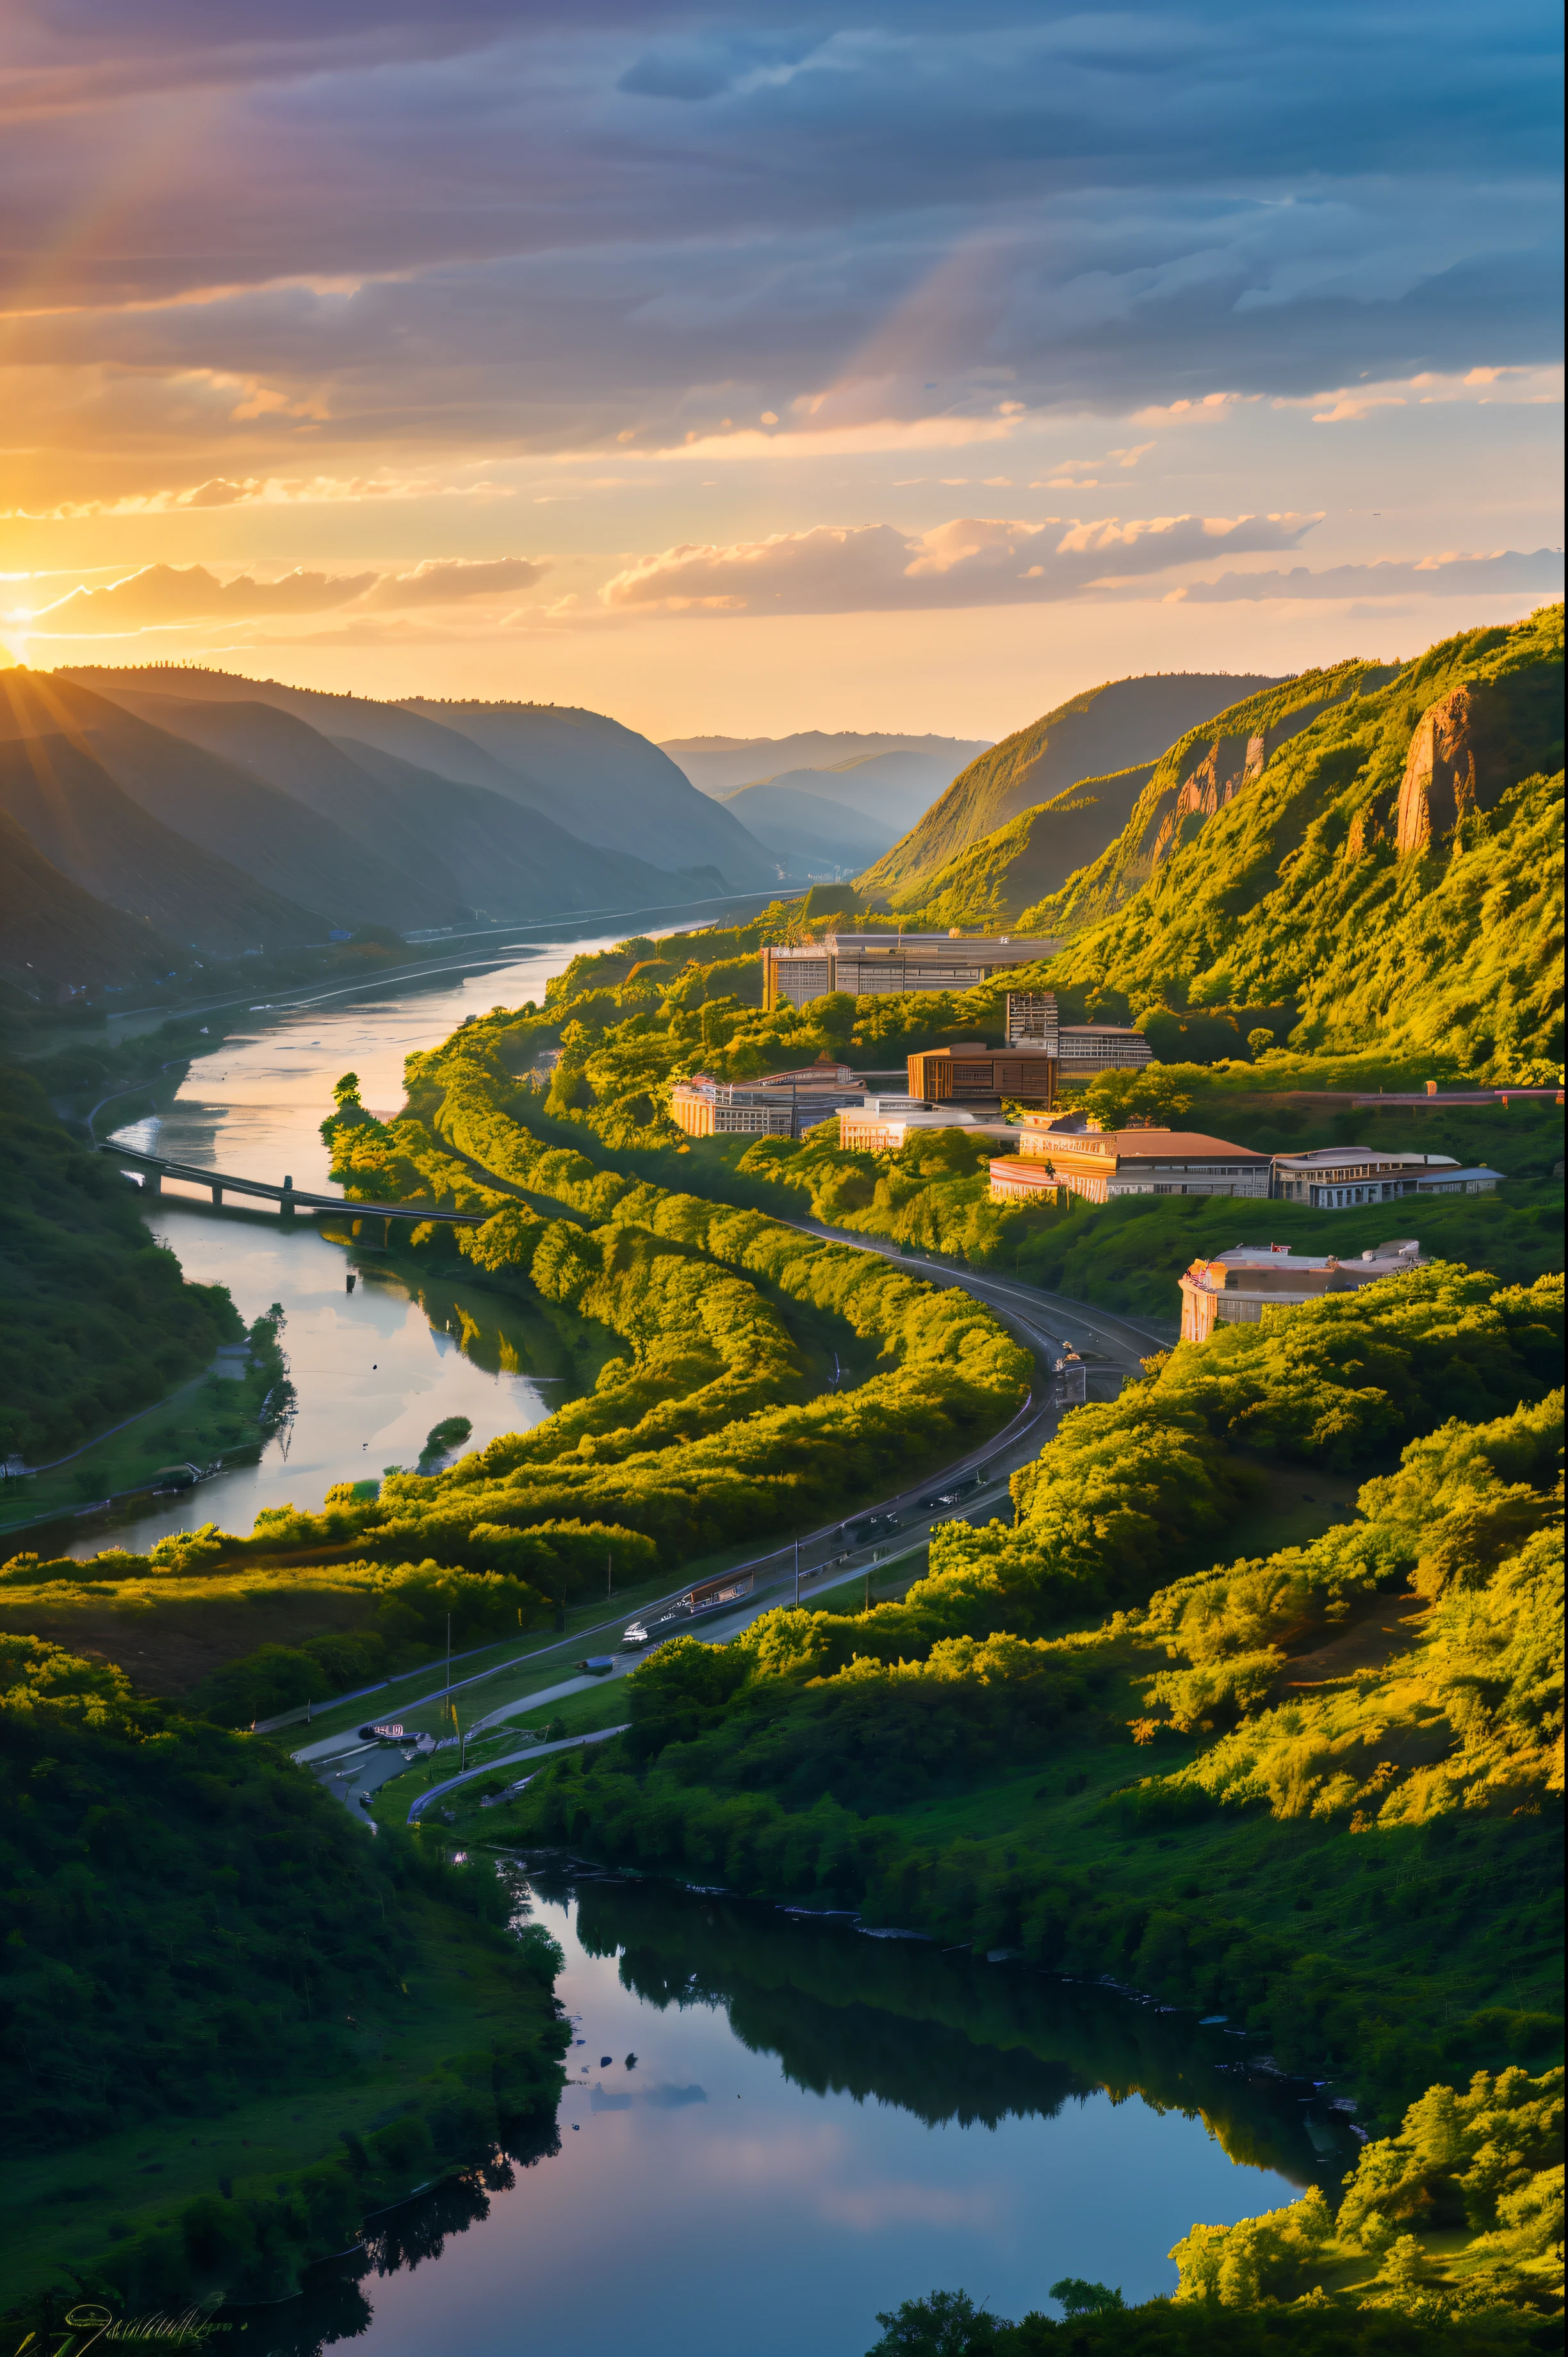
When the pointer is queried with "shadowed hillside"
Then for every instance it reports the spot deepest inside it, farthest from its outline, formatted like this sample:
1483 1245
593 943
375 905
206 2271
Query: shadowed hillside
52 933
82 822
1034 853
315 848
608 784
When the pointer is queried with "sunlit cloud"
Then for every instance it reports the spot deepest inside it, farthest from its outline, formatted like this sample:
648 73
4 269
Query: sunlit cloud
1441 576
971 561
161 596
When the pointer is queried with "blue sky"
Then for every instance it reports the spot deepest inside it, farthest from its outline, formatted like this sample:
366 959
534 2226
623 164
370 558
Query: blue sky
750 369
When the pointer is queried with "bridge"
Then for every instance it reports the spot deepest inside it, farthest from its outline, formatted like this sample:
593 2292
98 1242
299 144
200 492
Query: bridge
156 1168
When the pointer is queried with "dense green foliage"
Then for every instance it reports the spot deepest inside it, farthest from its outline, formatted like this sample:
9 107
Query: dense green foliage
1293 892
947 2324
95 1318
190 1918
630 1023
818 1753
706 1434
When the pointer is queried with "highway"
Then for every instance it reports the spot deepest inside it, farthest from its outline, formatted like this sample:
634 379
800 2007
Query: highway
1044 1322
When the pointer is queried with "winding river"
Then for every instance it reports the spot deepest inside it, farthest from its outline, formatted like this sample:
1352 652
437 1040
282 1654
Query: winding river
818 2123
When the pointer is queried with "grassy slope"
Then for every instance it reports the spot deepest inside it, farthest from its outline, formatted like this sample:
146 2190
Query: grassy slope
1033 854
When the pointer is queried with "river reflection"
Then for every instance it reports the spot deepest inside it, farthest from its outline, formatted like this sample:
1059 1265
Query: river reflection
373 1370
777 2125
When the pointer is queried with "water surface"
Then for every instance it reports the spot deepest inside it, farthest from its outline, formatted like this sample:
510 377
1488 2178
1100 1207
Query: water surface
376 1368
817 2125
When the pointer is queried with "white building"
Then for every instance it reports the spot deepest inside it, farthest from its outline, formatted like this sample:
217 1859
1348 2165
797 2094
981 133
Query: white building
1341 1178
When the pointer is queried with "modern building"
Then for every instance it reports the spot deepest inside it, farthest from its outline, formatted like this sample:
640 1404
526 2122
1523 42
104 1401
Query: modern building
1242 1284
865 964
982 1074
1478 1180
778 1104
1103 1166
1033 1021
886 1125
1342 1177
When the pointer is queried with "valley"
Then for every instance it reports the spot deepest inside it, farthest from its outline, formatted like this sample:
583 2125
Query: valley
1176 1805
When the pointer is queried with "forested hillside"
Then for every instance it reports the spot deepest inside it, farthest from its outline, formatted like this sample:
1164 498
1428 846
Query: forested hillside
1316 1788
1392 871
198 1937
1093 734
96 1321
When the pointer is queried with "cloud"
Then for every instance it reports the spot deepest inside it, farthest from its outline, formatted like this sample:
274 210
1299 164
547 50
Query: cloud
902 222
165 596
971 561
1439 576
447 581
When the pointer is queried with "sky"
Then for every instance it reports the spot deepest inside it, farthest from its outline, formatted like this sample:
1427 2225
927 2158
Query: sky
741 370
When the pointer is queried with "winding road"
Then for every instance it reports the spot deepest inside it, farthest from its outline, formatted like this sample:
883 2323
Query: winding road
1045 1322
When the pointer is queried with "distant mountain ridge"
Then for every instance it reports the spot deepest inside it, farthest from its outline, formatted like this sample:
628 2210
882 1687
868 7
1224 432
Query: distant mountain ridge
718 765
601 785
219 814
809 832
1097 735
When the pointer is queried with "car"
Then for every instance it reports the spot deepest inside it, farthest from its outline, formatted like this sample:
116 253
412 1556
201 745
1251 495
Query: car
873 1527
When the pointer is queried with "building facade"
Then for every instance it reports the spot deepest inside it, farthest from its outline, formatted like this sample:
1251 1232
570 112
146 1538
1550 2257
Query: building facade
1033 1021
1341 1178
865 964
1104 1165
882 1126
982 1074
778 1104
1242 1286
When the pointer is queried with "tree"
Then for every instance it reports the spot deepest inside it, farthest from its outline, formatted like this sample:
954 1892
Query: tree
1079 2299
944 2324
1261 1040
1125 1100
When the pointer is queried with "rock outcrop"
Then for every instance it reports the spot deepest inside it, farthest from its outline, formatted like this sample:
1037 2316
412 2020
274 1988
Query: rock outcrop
1231 763
1453 766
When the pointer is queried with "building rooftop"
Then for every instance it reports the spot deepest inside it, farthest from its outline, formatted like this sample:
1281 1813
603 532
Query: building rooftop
1403 1250
1156 1145
901 944
1326 1158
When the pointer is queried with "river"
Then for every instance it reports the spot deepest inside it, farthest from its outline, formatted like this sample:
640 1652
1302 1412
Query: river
778 2126
376 1368
818 2124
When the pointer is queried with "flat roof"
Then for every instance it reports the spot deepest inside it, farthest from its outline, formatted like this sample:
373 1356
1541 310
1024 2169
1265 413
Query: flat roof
901 944
1326 1156
978 1047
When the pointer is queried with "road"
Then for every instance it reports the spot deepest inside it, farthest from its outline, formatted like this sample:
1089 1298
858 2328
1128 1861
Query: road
1025 1309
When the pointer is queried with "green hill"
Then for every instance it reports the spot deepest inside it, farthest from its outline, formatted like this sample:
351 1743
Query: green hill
1381 852
1034 854
1093 734
96 1321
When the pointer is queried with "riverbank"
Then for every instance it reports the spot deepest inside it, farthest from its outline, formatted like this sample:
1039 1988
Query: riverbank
177 2209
